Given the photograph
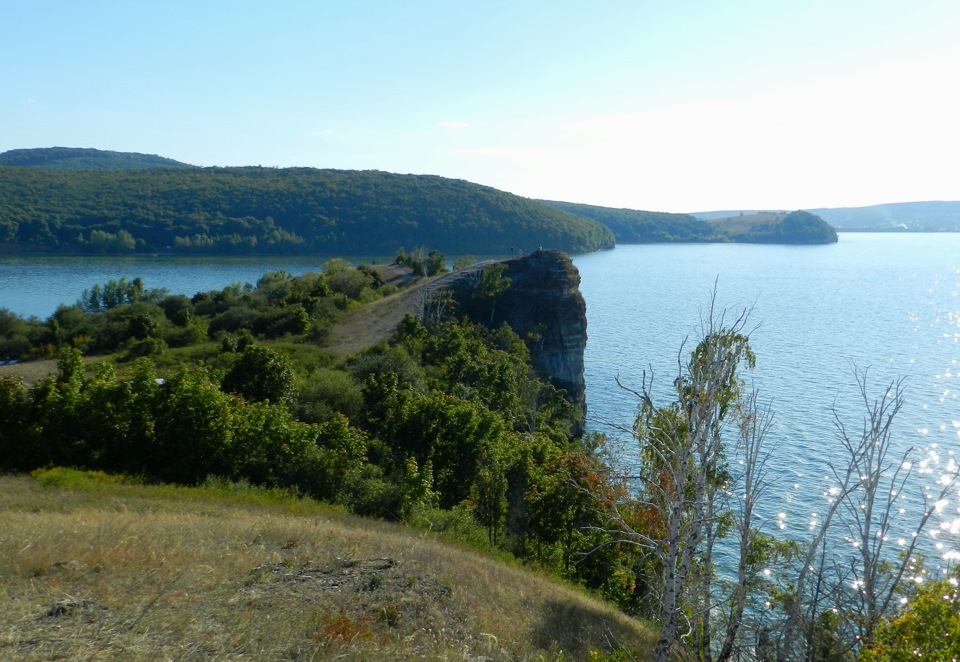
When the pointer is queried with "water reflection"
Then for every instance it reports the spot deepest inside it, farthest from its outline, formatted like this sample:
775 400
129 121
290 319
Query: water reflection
888 303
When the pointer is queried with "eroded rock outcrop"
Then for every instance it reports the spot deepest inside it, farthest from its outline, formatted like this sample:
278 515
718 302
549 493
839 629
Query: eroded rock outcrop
543 305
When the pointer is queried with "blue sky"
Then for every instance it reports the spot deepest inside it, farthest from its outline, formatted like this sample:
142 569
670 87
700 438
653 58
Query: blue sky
670 106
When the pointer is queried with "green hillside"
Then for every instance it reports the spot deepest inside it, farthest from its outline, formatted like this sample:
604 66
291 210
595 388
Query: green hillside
268 210
79 158
797 227
631 226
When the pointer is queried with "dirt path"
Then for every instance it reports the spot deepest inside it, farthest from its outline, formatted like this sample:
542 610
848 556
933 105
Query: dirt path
377 321
372 323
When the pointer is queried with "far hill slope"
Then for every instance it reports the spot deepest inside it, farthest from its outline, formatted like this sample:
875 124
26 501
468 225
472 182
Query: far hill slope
275 211
632 226
936 216
79 158
930 216
797 227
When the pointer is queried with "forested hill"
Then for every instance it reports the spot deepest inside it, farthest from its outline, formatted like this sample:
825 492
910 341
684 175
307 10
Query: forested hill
278 211
929 216
798 227
80 158
632 226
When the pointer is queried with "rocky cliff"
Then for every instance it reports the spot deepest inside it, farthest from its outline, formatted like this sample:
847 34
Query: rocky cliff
543 305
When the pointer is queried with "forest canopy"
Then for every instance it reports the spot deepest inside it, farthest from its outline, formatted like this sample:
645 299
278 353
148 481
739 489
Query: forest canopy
268 210
631 226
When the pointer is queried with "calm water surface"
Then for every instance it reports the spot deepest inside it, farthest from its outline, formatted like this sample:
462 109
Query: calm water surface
887 302
37 285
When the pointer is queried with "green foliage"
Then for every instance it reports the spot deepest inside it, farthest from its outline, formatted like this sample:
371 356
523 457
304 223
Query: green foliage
109 242
928 627
261 374
271 447
326 392
101 298
463 262
268 210
631 226
449 423
422 263
490 286
799 227
78 158
125 315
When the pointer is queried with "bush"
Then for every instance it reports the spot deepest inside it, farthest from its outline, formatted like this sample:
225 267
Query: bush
146 347
366 492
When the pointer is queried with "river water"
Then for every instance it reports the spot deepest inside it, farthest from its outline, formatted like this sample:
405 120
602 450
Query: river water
887 302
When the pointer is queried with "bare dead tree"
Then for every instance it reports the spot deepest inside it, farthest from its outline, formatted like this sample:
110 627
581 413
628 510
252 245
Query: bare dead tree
753 424
864 511
681 449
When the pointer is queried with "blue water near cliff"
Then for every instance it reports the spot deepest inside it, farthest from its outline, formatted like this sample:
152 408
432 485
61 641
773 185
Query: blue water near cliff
887 302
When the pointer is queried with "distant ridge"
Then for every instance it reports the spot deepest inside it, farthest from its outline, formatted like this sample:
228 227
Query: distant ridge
929 216
633 226
84 158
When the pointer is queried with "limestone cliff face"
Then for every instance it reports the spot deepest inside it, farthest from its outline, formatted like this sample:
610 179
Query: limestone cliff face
543 305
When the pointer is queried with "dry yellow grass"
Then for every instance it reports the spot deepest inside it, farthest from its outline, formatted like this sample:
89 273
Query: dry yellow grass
100 570
30 371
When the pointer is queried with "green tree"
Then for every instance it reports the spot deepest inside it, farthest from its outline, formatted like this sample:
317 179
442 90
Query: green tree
193 432
16 451
490 285
261 374
270 447
683 471
927 628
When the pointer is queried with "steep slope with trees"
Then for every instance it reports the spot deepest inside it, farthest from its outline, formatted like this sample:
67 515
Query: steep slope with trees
632 226
269 210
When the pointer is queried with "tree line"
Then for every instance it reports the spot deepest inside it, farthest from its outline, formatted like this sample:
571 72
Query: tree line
632 226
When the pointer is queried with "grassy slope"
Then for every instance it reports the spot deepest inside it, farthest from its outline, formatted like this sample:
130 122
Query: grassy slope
736 225
94 568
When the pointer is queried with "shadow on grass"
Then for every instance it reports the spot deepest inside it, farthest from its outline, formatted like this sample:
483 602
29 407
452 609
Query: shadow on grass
577 630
